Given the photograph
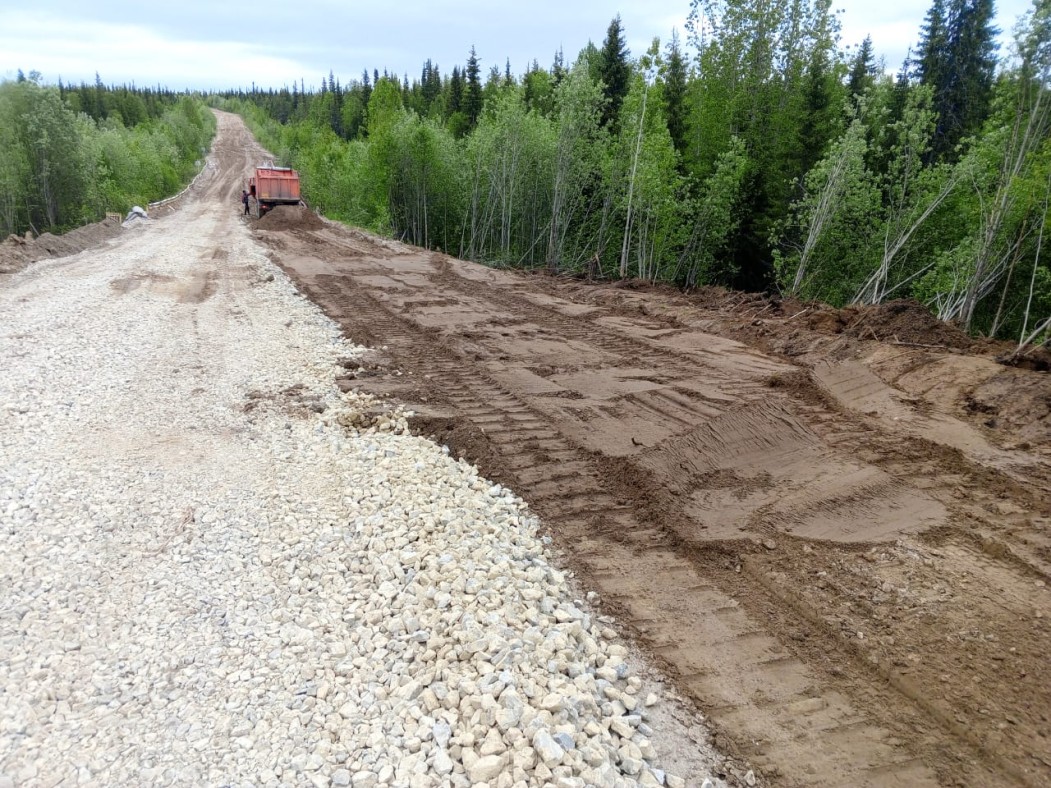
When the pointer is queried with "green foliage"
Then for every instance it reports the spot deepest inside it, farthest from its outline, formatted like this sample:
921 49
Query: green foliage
472 93
509 161
61 167
614 71
957 60
765 157
833 227
862 70
580 155
674 76
762 67
715 219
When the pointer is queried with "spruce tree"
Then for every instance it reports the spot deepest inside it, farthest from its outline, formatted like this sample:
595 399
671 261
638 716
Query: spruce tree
675 93
862 71
930 62
614 71
820 116
455 91
430 84
974 42
558 68
902 86
472 98
957 60
99 106
366 87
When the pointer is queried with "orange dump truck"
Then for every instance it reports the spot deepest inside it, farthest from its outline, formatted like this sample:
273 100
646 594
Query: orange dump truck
272 186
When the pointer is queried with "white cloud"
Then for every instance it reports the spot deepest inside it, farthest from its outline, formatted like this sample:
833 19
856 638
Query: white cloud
129 52
203 44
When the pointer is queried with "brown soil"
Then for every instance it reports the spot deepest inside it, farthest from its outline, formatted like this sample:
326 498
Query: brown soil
834 536
905 321
290 217
17 251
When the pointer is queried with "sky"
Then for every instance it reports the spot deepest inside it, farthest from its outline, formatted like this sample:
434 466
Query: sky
217 44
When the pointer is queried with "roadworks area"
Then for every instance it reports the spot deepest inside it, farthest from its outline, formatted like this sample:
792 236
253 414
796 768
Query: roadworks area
285 503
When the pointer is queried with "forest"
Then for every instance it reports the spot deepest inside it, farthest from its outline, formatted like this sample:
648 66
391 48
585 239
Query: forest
69 154
757 152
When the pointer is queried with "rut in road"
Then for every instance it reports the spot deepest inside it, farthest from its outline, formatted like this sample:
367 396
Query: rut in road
734 511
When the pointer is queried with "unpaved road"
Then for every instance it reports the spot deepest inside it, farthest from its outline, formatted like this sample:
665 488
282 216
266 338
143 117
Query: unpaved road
829 541
839 547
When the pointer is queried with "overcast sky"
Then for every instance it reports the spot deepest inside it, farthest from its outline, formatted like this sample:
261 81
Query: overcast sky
204 44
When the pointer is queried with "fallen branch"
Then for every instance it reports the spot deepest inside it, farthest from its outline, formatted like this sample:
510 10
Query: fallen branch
920 344
756 314
800 312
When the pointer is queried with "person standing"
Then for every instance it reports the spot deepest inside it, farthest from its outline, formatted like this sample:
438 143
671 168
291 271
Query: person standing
244 200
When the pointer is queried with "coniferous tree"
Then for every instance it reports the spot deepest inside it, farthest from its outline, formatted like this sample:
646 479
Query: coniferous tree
614 71
862 70
366 87
675 93
472 95
558 68
957 60
973 39
902 85
455 91
820 113
336 108
99 107
934 39
429 88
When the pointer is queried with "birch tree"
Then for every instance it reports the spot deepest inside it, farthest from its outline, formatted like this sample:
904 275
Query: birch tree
1023 128
833 222
578 153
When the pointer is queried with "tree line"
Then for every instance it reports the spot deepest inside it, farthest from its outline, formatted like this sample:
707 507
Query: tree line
69 154
758 153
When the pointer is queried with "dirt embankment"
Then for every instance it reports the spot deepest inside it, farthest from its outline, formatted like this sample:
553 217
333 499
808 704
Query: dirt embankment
16 252
832 527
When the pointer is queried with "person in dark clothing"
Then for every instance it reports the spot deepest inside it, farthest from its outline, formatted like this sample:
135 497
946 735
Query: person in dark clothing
244 199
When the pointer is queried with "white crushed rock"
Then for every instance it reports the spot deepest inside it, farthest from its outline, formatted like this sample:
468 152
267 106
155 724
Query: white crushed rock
204 580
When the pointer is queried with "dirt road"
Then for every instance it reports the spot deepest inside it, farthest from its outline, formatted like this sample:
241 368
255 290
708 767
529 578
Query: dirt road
821 536
833 529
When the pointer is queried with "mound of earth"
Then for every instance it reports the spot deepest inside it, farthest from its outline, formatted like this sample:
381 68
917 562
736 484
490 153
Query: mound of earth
17 251
290 217
906 320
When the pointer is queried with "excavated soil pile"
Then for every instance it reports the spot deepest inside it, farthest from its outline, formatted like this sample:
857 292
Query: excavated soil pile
906 320
290 217
17 252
